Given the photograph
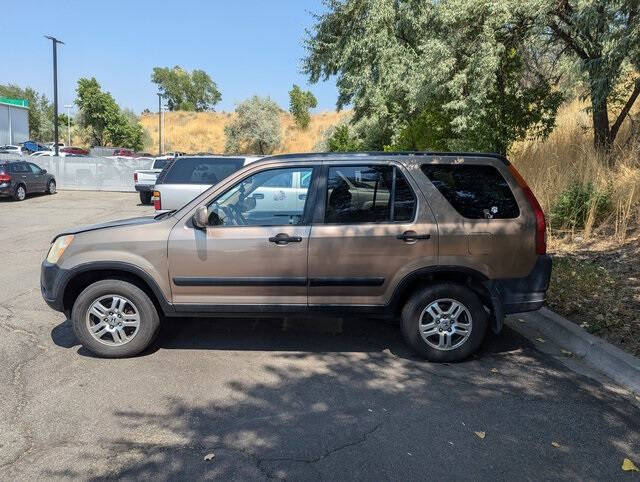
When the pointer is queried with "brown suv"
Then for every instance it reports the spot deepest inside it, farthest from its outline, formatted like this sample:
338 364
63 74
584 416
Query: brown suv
447 243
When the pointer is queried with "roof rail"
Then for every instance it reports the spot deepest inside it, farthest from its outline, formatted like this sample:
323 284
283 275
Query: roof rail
329 155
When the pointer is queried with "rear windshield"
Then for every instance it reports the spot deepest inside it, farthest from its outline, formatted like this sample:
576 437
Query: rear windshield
160 163
202 170
476 192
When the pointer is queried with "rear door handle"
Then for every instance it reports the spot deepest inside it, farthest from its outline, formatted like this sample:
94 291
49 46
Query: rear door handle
412 236
284 238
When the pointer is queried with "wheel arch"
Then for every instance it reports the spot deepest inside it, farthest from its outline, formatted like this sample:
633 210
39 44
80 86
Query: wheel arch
472 279
86 274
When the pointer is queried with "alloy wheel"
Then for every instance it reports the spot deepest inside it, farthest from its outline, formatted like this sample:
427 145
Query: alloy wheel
113 320
445 324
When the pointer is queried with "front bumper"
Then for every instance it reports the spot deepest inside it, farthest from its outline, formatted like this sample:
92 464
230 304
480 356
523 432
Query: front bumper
144 187
52 281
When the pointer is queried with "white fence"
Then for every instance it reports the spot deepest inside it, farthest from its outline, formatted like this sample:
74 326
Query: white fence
89 173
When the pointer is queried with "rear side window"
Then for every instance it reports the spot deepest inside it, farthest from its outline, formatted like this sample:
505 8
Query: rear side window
368 194
201 170
476 192
18 167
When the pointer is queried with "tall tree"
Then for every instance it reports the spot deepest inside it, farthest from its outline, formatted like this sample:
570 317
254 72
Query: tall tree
194 91
604 36
103 120
406 66
300 102
256 127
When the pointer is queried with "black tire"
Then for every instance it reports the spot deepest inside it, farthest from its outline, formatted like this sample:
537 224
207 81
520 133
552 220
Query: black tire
20 194
421 299
149 318
145 197
51 187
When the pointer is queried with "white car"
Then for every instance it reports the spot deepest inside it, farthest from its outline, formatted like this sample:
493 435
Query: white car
188 176
9 149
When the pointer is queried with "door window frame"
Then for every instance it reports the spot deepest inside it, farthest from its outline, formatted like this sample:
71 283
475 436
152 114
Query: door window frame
321 194
310 202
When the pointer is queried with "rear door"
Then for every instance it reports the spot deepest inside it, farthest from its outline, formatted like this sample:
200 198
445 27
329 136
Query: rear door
371 228
22 174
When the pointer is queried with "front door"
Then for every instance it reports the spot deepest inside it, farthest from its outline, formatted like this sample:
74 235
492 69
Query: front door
38 178
253 256
375 229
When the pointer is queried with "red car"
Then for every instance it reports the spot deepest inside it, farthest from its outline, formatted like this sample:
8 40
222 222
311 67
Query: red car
75 150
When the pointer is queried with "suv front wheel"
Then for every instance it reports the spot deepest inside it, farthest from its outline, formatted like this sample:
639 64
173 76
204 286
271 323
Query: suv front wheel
445 322
114 318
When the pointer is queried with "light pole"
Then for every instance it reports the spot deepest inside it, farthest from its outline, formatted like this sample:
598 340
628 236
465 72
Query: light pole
159 124
68 107
55 42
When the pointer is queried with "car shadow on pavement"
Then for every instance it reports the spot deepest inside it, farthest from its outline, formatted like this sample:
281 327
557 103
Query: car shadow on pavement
342 407
312 335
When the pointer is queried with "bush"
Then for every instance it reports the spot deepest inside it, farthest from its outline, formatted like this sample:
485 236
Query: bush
574 205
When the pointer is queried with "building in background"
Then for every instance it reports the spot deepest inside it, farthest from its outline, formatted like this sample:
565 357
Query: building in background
14 121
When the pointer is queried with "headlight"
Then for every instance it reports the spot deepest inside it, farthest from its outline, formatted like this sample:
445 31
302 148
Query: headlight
57 248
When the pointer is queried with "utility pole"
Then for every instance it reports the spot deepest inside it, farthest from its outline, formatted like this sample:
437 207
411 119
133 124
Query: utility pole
68 107
55 42
159 124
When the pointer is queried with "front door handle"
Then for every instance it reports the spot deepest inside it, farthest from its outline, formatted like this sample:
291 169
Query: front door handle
284 238
412 236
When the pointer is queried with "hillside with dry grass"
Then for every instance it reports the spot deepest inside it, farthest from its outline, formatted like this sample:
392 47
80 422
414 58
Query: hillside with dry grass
204 131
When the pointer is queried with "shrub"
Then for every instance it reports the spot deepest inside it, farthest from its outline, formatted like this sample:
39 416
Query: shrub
572 208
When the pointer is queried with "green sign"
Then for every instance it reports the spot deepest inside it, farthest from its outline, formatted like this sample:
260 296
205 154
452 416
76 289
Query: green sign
18 102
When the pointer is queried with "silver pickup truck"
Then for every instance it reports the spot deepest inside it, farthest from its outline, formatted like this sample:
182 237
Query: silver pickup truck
145 179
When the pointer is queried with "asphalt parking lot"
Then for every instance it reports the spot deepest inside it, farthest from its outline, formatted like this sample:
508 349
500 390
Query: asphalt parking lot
276 400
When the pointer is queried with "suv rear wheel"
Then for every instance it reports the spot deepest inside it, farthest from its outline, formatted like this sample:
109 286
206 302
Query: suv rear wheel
114 318
444 322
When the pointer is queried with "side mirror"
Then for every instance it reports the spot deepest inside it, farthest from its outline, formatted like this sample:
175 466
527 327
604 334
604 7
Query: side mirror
43 171
201 217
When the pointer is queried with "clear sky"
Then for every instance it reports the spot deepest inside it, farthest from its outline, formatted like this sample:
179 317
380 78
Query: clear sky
247 46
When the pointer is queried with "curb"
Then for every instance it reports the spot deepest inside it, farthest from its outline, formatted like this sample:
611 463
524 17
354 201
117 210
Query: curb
603 356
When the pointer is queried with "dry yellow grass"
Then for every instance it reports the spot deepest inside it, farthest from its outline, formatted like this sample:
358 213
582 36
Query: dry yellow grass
567 156
204 131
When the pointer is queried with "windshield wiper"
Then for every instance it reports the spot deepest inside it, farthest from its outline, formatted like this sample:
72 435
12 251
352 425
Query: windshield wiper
161 215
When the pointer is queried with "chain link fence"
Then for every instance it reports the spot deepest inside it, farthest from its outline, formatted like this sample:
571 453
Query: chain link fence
89 173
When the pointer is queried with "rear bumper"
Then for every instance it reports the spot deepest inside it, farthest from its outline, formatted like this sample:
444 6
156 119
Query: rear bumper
144 187
528 293
6 189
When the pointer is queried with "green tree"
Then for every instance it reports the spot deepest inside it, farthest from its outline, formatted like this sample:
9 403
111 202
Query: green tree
102 119
604 37
299 104
402 62
194 91
256 127
40 110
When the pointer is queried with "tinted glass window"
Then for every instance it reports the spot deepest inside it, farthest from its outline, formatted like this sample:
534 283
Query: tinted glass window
160 163
19 167
202 170
476 192
283 179
34 169
405 200
362 194
255 201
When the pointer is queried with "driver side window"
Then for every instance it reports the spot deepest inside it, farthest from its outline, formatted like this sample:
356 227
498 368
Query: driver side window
267 198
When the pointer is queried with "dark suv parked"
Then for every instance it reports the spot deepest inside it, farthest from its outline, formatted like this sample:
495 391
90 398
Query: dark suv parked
445 243
19 178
